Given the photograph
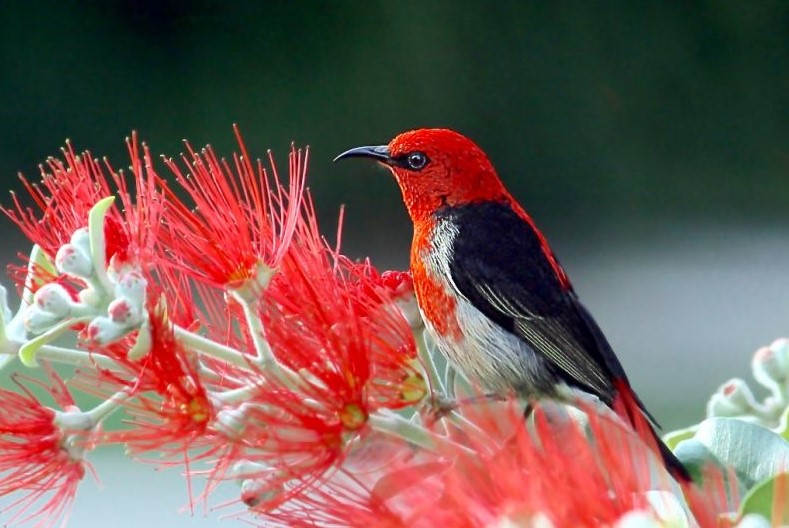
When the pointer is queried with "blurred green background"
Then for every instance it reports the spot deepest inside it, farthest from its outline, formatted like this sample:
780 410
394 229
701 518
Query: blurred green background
649 141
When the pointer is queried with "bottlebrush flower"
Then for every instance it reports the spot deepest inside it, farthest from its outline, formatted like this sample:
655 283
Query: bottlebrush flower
242 219
557 473
39 459
64 197
169 406
346 362
69 189
500 474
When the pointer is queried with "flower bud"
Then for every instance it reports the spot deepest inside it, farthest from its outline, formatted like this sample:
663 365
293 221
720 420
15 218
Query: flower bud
89 297
131 286
771 364
53 298
733 398
124 313
37 321
102 331
257 492
246 470
72 261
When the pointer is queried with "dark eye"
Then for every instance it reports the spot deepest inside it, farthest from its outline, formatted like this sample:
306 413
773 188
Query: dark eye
416 161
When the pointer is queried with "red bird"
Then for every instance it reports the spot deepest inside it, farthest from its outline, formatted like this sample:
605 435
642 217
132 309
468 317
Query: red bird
493 296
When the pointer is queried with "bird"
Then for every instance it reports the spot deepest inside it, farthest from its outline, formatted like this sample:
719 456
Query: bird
494 298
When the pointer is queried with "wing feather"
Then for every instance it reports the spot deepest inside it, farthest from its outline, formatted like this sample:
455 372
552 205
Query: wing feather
499 265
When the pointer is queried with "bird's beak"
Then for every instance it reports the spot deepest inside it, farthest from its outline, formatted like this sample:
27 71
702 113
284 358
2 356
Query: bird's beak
379 153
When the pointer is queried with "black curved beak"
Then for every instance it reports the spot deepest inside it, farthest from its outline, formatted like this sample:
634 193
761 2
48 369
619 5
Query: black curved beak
378 153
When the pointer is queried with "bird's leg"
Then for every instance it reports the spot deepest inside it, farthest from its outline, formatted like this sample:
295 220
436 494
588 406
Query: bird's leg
437 406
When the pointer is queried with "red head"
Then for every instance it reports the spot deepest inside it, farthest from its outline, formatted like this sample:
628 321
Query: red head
436 167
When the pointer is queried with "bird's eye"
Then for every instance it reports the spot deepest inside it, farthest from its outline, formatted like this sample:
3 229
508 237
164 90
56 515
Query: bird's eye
416 161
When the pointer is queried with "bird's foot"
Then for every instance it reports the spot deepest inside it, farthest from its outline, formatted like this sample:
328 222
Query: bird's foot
438 406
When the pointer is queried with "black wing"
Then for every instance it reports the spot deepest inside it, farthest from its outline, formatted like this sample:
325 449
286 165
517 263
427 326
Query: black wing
499 266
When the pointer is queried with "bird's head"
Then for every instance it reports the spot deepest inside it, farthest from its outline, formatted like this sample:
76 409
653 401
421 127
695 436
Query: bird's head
435 168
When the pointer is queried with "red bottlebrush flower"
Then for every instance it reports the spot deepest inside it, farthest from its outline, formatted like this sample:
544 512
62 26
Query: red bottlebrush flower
169 405
352 352
131 231
63 198
557 472
68 190
343 500
242 217
38 459
331 322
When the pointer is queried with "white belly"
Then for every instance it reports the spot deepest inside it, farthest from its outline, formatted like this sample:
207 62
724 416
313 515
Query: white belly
485 352
490 356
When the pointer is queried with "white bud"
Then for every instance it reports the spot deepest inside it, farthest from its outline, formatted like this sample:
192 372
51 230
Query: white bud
255 492
131 285
733 398
102 331
72 261
89 297
53 299
771 364
246 470
124 313
37 321
81 239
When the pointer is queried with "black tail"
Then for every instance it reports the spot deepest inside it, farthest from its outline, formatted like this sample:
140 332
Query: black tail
676 468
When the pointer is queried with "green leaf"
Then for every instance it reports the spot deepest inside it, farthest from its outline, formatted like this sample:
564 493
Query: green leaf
97 243
697 458
754 452
29 350
762 498
673 438
783 424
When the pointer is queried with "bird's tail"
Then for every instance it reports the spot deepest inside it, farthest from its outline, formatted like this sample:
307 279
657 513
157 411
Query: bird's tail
630 407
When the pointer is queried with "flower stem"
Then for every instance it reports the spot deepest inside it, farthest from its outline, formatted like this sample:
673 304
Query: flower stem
450 377
5 361
240 394
212 348
107 407
265 356
433 378
76 357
